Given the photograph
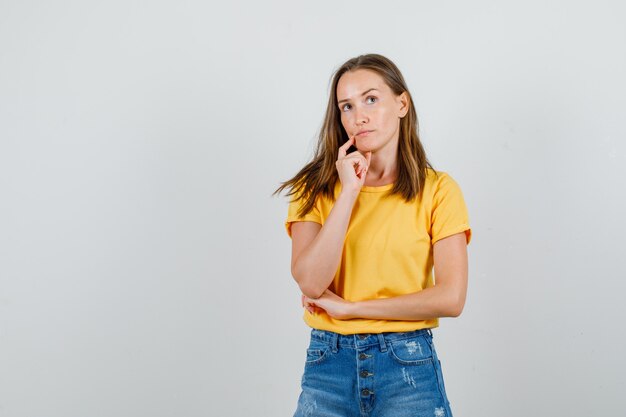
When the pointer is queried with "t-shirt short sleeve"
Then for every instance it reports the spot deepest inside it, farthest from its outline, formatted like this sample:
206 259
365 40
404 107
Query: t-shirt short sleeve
292 214
449 212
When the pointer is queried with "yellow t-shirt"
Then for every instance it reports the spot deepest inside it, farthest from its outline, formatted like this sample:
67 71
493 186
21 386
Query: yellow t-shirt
388 248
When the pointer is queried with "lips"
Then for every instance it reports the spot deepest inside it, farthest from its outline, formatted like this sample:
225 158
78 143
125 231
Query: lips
364 132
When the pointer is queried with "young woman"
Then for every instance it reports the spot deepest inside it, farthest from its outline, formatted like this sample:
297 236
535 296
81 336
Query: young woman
369 220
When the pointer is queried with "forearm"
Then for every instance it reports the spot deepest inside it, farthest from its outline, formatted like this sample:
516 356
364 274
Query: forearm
316 266
432 302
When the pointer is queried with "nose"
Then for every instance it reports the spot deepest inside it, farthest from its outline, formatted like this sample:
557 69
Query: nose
360 116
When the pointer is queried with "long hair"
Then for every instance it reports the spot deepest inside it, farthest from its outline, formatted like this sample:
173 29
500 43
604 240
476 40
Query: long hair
320 175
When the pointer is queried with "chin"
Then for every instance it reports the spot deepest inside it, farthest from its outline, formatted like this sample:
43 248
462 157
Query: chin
366 148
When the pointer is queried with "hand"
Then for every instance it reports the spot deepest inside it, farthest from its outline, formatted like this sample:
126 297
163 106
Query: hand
330 303
310 307
352 168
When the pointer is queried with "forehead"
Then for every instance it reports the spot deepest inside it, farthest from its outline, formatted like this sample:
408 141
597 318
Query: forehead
352 83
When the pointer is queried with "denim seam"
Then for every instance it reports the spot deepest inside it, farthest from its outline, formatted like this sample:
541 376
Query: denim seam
439 375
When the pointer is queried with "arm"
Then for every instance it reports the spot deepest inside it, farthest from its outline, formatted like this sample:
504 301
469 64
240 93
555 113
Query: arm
445 299
316 250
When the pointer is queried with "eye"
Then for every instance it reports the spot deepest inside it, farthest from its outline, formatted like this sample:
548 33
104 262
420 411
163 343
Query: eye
368 97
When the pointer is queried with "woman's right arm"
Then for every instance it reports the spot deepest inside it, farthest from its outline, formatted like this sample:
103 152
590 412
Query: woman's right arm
316 249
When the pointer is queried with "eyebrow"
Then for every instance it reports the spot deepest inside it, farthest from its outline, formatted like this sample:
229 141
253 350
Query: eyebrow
362 94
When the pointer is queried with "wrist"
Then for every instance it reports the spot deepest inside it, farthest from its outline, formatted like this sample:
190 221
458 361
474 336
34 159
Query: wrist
352 309
349 194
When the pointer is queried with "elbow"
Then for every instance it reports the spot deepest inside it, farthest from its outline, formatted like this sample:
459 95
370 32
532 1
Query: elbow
452 302
311 291
456 306
455 310
308 288
307 285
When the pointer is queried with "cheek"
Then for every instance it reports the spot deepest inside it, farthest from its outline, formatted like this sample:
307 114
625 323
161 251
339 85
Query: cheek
345 122
385 118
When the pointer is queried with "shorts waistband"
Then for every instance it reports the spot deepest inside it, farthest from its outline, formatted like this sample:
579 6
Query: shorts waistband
361 340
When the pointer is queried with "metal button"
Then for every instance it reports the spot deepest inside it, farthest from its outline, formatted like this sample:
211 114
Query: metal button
365 374
362 336
363 356
366 392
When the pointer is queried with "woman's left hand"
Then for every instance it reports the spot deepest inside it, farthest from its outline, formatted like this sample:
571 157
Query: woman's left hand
331 303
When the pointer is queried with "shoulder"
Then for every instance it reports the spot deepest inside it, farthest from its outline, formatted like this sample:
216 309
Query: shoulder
436 179
320 201
440 184
437 175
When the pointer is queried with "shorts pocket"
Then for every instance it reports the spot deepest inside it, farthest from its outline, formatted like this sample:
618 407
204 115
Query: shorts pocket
317 352
412 351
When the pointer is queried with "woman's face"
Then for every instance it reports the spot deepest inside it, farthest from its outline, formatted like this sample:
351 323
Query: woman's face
366 103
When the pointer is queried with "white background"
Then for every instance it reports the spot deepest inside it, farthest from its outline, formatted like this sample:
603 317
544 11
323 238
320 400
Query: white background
144 267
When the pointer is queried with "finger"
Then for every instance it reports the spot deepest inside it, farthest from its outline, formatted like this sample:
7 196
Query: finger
359 162
307 305
363 172
343 149
356 155
368 159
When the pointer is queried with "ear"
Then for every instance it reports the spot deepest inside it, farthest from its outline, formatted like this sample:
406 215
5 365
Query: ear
403 102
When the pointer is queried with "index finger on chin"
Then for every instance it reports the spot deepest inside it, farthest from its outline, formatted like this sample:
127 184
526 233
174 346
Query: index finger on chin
343 149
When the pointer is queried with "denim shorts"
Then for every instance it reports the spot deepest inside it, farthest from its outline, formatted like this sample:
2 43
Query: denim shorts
394 374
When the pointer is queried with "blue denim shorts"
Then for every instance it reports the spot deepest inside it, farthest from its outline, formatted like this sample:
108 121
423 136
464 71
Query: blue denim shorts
394 374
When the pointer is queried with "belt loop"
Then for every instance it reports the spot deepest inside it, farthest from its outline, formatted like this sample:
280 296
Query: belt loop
334 342
383 344
429 332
